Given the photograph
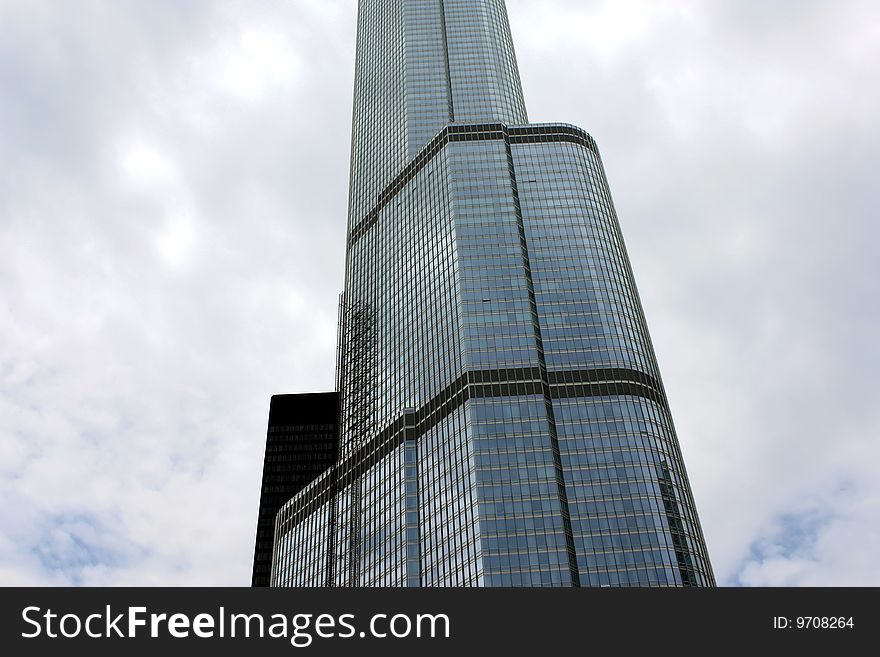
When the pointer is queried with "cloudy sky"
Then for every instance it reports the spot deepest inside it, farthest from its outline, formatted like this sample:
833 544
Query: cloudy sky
173 182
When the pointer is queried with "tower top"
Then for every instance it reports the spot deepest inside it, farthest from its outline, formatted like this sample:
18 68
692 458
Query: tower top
421 65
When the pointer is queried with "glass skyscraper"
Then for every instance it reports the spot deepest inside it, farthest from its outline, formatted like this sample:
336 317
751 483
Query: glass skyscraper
503 422
302 440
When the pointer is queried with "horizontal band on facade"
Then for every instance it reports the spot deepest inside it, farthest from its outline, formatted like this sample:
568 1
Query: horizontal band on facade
479 384
543 133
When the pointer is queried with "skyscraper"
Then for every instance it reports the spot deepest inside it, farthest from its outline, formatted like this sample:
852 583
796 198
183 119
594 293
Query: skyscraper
502 418
302 440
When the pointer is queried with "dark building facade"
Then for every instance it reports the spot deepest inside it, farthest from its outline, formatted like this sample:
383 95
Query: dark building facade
302 441
503 421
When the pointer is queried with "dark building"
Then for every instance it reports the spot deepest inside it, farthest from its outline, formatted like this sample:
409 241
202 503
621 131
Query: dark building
301 442
503 420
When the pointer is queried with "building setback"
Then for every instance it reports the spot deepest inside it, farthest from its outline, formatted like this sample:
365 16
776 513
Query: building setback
503 420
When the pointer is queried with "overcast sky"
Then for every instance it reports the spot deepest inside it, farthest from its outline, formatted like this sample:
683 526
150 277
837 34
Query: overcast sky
173 188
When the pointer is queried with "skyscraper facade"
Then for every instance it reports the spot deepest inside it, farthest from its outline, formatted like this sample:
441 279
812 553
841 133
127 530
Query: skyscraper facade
302 440
503 422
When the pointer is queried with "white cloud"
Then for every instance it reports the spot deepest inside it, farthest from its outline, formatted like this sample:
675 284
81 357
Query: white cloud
605 28
144 164
177 241
137 361
263 60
